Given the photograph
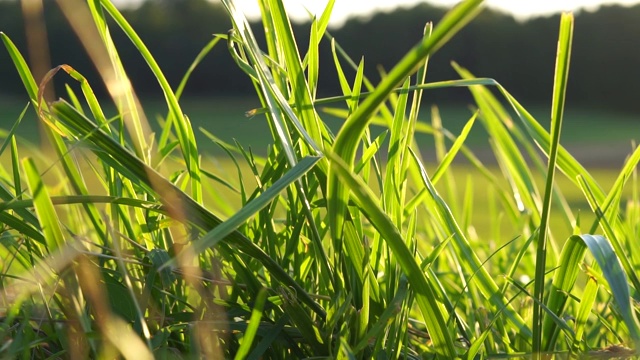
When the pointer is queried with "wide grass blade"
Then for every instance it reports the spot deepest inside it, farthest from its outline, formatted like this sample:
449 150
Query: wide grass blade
616 277
44 207
351 132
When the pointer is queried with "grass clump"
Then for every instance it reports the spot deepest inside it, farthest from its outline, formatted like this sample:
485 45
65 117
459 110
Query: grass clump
345 245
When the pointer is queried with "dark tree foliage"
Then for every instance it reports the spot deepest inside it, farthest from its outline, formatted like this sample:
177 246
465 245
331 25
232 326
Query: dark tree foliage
520 55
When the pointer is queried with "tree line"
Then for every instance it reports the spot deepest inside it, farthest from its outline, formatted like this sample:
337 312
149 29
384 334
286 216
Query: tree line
605 68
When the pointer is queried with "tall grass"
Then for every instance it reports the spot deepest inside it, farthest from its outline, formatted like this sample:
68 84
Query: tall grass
344 245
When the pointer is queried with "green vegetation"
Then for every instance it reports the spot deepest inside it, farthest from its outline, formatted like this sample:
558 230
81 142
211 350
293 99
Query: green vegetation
339 241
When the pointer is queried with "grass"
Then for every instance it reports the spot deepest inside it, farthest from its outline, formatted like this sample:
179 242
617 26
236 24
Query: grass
226 119
342 239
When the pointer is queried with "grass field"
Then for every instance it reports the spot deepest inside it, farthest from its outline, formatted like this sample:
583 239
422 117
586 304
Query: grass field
332 243
604 136
599 139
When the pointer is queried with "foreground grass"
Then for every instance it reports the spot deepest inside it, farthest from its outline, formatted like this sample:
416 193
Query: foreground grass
336 243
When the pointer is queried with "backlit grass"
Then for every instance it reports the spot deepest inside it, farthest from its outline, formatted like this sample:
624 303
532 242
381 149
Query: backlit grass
382 235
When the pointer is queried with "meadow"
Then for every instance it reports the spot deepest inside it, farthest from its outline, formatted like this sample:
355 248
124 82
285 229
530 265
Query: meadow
373 225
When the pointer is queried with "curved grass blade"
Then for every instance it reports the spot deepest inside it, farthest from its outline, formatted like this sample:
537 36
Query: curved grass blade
201 55
423 86
616 277
433 313
564 279
252 207
184 130
22 68
349 136
482 278
453 151
112 153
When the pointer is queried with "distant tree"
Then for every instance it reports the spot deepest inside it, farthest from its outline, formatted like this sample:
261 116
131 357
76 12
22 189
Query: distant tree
520 55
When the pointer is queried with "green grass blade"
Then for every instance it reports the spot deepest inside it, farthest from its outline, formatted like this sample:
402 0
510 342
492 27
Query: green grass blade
253 206
347 139
433 313
201 55
23 69
295 73
391 311
10 137
393 201
616 277
606 226
563 282
252 329
44 207
127 164
557 110
586 306
184 130
97 40
453 151
417 88
272 88
482 278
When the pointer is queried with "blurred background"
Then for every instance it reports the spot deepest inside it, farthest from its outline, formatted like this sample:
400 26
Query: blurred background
513 42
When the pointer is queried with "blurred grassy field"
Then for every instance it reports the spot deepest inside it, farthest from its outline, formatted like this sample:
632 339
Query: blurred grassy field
598 139
590 130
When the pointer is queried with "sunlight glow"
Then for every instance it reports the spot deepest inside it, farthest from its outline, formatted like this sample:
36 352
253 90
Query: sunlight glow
347 8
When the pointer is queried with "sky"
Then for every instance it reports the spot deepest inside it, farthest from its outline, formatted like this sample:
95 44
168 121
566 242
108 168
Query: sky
521 9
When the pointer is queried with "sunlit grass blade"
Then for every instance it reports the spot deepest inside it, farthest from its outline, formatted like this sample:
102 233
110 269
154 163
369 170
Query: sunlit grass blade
272 89
254 321
616 277
433 313
299 86
184 130
23 69
198 59
482 278
606 225
347 139
393 200
413 88
557 111
253 206
10 136
127 164
44 207
453 151
589 296
563 282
